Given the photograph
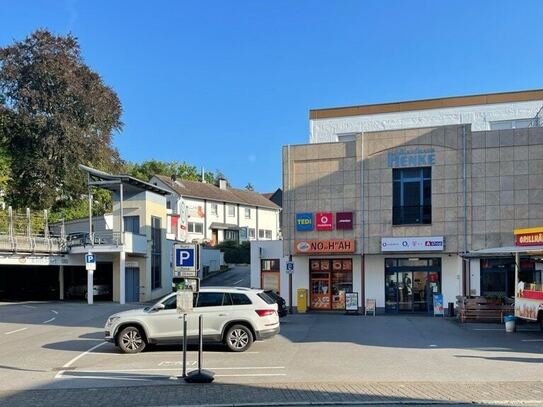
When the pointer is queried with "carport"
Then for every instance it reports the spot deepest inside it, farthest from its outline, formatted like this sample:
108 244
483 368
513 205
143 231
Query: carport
29 282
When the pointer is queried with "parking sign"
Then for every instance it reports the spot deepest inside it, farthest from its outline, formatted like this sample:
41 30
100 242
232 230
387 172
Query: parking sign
90 261
185 258
290 267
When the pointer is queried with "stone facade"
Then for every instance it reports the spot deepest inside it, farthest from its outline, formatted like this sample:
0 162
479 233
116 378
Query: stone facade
497 189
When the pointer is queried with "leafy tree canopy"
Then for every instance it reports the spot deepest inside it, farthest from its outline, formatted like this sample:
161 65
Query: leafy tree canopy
55 113
181 170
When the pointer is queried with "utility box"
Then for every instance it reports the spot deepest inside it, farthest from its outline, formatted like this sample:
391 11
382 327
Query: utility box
301 303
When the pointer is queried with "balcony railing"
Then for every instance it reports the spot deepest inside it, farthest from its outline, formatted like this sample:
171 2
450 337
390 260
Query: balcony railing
412 215
32 244
133 243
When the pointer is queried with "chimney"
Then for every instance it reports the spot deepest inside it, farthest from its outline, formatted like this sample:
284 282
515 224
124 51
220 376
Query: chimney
173 177
222 183
203 176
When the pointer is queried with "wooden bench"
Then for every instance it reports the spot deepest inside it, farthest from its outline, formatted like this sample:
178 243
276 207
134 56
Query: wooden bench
482 309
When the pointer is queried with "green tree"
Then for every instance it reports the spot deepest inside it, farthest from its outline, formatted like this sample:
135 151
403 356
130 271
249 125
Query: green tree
55 113
181 170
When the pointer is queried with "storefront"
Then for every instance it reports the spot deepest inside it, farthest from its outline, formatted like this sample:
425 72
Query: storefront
330 280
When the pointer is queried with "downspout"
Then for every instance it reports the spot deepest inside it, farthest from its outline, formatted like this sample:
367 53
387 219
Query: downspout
362 224
290 202
205 216
465 261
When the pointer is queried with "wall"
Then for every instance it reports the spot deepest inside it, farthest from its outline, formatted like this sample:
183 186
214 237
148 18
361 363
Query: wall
210 258
375 279
326 130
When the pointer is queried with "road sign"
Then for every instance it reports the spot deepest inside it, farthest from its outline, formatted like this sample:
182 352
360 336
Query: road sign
90 261
184 301
290 267
186 259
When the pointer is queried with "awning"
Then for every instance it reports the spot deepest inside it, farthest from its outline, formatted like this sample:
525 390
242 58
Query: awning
224 226
506 251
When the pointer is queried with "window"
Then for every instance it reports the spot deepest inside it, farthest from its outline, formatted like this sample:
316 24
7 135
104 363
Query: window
252 233
269 274
209 300
214 209
247 213
132 224
268 234
231 211
412 196
240 299
264 234
168 204
156 253
196 228
510 124
344 137
261 233
267 299
231 235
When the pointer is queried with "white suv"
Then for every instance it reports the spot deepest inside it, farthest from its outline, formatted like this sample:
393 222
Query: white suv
234 316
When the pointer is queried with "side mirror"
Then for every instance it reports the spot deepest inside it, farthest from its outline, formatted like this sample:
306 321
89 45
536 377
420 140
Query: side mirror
158 307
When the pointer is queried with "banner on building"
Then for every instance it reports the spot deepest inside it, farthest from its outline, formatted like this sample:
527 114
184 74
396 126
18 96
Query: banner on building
529 237
324 246
412 244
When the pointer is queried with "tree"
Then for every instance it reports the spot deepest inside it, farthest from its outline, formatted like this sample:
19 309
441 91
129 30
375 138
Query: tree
181 170
249 187
55 113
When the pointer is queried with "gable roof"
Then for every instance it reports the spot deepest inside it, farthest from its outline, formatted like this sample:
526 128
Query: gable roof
200 190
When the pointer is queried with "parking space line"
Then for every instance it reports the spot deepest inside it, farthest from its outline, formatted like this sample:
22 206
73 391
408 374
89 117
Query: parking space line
66 365
237 282
29 306
54 312
178 368
49 320
17 330
532 340
251 375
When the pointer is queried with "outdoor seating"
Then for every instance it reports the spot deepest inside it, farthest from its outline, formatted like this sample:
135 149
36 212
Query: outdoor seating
483 309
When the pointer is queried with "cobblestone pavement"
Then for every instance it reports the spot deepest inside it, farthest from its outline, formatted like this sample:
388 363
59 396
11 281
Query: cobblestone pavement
367 393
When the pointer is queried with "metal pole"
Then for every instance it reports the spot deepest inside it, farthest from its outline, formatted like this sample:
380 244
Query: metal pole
201 340
290 293
90 209
122 214
517 266
184 345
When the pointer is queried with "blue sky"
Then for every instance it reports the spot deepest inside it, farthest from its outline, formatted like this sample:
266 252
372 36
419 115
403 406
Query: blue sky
224 84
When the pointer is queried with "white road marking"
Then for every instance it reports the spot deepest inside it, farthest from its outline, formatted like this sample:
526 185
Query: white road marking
29 306
532 340
49 320
61 372
148 377
175 369
432 346
54 312
237 282
251 375
17 330
487 329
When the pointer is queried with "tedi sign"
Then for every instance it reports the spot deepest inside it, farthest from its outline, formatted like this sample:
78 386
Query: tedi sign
411 157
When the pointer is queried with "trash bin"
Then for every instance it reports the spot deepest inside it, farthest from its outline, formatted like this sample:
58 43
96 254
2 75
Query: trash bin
451 309
301 296
510 323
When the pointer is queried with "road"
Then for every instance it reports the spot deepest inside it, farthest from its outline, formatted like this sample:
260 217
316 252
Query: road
238 276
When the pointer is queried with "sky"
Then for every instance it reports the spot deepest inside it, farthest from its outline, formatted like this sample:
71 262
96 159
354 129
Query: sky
225 84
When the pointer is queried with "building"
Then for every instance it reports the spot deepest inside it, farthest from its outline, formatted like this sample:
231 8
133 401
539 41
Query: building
426 204
203 212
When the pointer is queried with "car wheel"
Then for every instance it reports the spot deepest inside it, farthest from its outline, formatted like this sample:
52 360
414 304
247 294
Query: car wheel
131 340
238 338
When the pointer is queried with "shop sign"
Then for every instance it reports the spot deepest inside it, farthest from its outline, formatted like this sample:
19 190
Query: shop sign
529 237
412 244
411 157
351 302
324 246
325 221
304 222
344 221
438 305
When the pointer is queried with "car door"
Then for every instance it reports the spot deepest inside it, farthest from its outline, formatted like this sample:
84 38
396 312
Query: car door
165 324
214 313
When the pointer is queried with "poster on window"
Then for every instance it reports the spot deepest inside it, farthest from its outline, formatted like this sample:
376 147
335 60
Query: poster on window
351 302
438 305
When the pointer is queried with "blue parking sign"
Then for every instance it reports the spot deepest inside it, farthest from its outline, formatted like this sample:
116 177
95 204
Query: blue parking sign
185 258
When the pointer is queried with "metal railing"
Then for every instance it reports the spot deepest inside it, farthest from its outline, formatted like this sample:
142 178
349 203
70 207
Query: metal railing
93 239
537 121
32 244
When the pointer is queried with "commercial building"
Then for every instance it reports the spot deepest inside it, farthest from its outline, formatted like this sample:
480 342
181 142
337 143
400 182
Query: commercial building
400 201
203 212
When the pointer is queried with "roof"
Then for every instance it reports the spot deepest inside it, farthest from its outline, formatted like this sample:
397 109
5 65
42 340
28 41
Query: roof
223 226
267 195
201 190
424 104
506 250
108 181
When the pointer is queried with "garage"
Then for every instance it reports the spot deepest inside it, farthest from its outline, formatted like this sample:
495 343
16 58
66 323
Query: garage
75 282
29 283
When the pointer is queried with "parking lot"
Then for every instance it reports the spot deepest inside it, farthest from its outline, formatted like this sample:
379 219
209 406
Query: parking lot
59 345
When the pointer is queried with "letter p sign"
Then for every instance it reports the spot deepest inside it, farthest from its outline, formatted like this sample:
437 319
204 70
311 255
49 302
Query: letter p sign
185 258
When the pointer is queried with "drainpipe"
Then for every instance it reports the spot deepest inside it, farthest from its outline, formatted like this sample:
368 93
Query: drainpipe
290 201
362 259
90 207
465 262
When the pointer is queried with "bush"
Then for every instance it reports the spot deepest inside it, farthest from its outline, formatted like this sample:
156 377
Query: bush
235 252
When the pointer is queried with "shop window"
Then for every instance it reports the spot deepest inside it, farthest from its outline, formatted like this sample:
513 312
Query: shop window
269 274
412 196
330 280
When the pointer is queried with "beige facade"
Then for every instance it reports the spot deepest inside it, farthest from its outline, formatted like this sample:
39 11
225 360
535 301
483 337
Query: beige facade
484 184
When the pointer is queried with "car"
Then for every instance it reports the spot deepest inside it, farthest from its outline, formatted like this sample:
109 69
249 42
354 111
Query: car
234 316
281 303
81 290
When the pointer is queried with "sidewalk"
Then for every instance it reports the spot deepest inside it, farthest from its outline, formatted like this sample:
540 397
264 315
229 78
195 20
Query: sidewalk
407 393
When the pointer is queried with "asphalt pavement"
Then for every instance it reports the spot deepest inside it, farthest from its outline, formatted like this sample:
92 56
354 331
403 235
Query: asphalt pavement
237 276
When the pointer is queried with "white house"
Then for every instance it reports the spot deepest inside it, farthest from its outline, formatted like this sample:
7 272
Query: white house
203 212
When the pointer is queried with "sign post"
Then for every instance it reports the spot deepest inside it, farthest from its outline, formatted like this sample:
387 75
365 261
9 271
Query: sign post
290 271
184 304
90 265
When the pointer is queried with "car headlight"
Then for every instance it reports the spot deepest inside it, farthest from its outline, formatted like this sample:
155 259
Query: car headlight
111 321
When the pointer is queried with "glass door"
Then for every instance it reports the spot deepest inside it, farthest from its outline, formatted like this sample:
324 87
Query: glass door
405 291
391 292
320 290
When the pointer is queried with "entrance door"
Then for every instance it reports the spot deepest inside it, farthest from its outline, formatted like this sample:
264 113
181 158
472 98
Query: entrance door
132 284
214 237
320 290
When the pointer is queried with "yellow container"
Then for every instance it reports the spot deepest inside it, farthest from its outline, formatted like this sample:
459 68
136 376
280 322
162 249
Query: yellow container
301 303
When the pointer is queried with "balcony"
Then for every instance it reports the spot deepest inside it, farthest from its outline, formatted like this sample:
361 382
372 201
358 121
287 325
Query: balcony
32 244
106 242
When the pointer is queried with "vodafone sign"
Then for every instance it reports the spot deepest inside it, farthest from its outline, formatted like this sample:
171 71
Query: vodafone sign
324 221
